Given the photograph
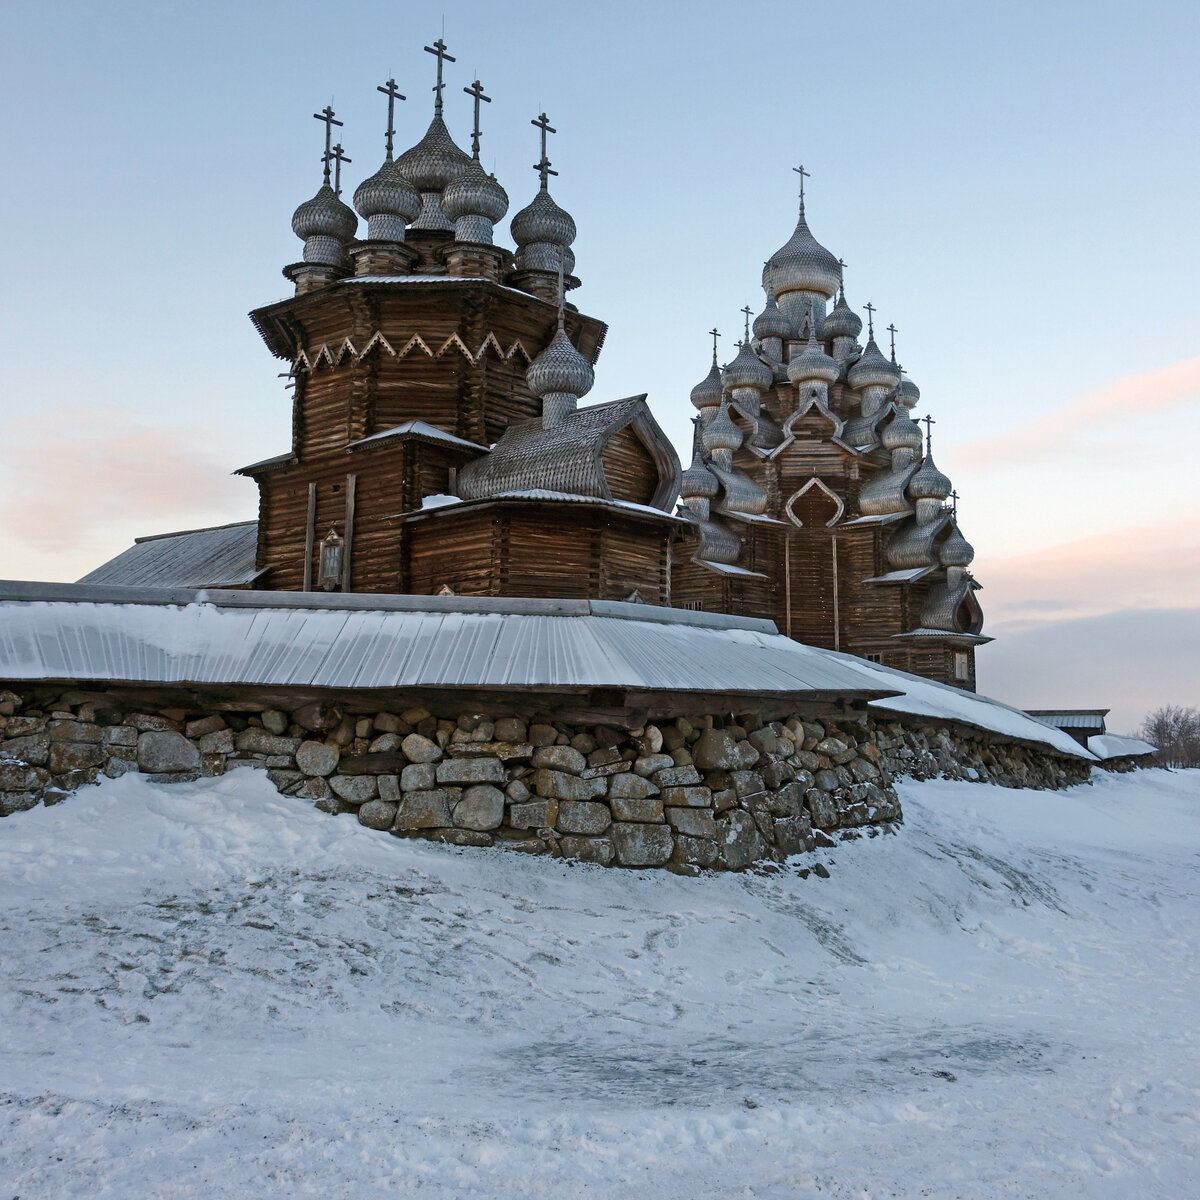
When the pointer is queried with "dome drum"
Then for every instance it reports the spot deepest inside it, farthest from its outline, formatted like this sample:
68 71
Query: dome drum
325 250
431 216
544 256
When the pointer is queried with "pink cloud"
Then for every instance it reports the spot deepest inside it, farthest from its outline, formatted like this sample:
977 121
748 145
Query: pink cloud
1157 391
1151 567
73 471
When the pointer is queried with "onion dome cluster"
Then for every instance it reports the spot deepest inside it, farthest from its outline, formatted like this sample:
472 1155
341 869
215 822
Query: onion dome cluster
543 231
433 163
325 225
387 201
802 264
474 201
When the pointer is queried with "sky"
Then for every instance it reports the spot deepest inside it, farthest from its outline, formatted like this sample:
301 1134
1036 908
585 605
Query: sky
1014 186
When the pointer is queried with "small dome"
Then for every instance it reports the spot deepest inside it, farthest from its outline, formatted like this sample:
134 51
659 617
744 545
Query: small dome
560 370
873 370
435 160
802 264
928 483
748 371
387 193
842 321
475 193
325 216
543 221
708 392
698 482
772 323
813 365
721 433
956 551
902 433
909 392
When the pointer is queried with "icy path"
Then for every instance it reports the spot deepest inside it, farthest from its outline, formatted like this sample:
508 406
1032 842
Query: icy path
210 990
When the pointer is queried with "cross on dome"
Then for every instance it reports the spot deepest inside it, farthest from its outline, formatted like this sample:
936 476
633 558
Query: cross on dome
543 168
439 50
893 331
392 92
842 265
803 176
326 115
748 311
476 90
338 158
714 335
870 320
928 422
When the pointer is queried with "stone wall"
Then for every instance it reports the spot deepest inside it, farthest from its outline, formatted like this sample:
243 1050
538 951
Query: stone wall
714 792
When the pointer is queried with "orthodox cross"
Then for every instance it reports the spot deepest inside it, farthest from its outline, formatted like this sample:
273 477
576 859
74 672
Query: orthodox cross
870 319
954 503
893 331
543 167
326 115
803 176
338 158
390 90
842 265
476 90
928 423
714 335
439 49
748 311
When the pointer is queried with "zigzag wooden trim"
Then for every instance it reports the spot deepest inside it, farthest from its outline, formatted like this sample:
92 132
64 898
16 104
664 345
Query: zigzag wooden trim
455 340
311 360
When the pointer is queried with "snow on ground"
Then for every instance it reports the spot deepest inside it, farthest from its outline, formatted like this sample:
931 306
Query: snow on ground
212 990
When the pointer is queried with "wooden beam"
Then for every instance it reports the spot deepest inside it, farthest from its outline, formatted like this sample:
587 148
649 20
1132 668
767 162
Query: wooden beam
347 550
309 533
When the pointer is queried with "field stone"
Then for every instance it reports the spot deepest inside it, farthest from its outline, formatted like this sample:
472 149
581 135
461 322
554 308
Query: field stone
739 841
354 789
559 758
471 770
597 850
543 735
316 758
686 776
419 749
389 788
687 797
481 808
377 814
274 721
566 787
694 822
647 764
418 777
259 741
33 749
220 741
716 750
19 777
388 723
793 835
697 852
536 814
74 731
510 729
162 750
385 743
424 810
636 808
583 816
201 726
77 756
638 845
15 802
631 787
517 792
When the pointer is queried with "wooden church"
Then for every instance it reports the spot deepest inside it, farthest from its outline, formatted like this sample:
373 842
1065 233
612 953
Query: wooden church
439 446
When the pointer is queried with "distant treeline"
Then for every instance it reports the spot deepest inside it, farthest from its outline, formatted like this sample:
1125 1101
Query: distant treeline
1176 732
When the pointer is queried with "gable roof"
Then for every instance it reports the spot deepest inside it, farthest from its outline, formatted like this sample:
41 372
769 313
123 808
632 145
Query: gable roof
220 556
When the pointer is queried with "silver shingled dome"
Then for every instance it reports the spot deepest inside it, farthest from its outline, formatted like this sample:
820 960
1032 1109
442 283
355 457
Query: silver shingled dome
902 433
721 433
873 370
956 551
387 193
435 160
842 321
560 370
748 371
543 221
909 393
708 392
772 323
802 264
928 483
325 216
698 482
475 193
813 365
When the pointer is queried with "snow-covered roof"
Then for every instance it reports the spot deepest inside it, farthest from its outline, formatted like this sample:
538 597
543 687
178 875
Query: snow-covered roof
416 428
220 556
1071 718
352 642
941 702
1107 745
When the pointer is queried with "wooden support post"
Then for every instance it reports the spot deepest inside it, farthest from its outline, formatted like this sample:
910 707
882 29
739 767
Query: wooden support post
348 548
837 627
309 536
787 581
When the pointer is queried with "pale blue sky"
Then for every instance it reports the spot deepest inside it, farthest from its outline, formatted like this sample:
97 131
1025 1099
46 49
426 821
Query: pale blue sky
1016 186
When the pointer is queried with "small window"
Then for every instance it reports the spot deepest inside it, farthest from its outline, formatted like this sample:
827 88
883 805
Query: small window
692 606
962 665
875 658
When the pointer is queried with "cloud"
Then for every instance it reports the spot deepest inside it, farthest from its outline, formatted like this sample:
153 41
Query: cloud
1111 406
73 472
1145 568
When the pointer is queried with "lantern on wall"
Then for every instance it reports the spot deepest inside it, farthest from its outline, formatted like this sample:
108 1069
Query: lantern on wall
329 561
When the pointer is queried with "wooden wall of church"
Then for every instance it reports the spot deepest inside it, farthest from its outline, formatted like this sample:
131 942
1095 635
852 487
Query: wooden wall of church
629 467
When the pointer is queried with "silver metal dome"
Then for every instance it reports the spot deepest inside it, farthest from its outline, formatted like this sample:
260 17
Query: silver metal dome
748 371
708 392
435 160
560 370
909 392
872 370
902 433
475 193
929 483
698 482
721 433
802 264
387 201
842 321
956 551
772 322
813 365
543 221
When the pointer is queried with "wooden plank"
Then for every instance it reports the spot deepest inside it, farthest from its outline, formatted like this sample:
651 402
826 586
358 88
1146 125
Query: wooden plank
348 548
